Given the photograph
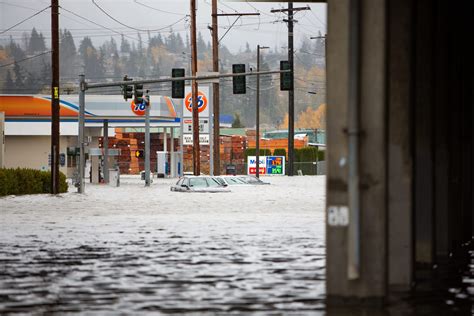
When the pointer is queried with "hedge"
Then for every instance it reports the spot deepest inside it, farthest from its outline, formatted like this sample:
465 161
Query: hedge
279 152
308 154
28 181
253 152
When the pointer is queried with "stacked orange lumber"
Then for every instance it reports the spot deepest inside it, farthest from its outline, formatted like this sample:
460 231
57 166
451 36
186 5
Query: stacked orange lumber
273 144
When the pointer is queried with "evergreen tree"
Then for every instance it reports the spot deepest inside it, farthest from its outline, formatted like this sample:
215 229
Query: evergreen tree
14 50
37 43
19 81
67 54
247 48
237 123
9 84
91 59
124 46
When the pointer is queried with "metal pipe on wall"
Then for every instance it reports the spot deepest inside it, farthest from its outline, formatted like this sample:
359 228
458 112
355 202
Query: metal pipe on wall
353 264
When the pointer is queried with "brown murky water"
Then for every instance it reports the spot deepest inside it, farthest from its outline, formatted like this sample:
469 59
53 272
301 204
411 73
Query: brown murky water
132 250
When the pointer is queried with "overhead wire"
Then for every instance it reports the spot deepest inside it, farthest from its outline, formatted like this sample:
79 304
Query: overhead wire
134 28
156 9
25 59
24 20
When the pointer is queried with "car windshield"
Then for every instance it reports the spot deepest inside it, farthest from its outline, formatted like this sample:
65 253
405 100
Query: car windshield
197 182
234 181
213 182
180 181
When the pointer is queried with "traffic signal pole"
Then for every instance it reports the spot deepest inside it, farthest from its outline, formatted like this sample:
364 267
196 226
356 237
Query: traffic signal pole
146 99
215 92
194 85
291 95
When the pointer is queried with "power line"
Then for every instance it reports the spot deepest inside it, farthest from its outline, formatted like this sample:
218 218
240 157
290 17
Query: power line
22 21
134 28
25 59
156 9
104 27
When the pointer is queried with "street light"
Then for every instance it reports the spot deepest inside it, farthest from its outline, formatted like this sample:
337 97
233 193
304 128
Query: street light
257 127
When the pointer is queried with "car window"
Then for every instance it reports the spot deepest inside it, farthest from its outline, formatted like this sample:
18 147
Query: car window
220 180
180 181
198 182
213 182
234 181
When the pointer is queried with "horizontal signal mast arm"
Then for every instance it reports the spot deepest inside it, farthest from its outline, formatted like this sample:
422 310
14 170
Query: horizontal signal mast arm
171 79
286 10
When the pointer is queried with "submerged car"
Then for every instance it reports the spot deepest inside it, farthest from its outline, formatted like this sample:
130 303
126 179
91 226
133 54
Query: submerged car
252 180
231 180
199 184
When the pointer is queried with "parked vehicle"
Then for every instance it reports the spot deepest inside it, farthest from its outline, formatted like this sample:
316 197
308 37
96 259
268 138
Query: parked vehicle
231 180
199 184
252 180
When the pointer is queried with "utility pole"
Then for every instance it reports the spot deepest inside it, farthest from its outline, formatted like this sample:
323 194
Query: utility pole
257 116
55 97
291 92
215 86
194 87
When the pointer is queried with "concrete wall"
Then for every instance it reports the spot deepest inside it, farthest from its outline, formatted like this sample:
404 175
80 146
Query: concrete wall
33 151
371 285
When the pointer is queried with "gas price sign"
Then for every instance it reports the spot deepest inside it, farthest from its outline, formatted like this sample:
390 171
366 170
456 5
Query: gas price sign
275 165
268 165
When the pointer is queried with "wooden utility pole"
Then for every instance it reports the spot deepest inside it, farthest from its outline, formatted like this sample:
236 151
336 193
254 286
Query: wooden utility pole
291 92
215 91
194 87
55 97
215 86
257 116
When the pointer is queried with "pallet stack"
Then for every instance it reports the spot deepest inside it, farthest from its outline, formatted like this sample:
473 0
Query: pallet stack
130 143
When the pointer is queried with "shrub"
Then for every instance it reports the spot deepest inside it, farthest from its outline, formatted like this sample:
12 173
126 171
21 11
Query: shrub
279 152
253 152
28 181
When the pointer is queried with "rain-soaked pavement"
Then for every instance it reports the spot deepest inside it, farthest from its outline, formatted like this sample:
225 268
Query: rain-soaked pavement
133 250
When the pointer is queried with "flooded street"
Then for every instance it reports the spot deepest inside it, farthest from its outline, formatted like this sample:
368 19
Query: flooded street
136 250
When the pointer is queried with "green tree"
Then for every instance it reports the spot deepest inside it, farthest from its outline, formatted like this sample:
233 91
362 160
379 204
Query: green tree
67 54
237 123
37 43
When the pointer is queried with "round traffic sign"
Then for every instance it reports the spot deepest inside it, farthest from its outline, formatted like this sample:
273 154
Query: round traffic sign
138 109
202 101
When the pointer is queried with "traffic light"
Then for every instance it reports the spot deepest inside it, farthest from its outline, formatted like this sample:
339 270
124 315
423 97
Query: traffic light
127 90
139 153
286 78
177 87
238 82
138 93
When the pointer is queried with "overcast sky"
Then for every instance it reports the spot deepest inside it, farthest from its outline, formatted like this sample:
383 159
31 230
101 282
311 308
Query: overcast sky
159 16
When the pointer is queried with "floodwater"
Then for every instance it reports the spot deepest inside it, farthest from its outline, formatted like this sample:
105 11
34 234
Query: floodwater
136 250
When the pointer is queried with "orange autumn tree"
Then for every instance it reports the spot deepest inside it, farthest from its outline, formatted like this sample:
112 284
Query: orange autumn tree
310 118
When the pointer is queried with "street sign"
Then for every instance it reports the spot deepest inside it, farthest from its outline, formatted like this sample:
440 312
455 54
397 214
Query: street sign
203 125
188 139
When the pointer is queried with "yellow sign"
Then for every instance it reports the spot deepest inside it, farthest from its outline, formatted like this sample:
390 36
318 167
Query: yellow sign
56 92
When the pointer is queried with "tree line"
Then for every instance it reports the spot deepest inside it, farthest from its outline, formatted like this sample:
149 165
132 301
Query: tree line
154 56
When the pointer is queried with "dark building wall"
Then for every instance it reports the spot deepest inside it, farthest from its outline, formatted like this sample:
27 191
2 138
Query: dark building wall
415 146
